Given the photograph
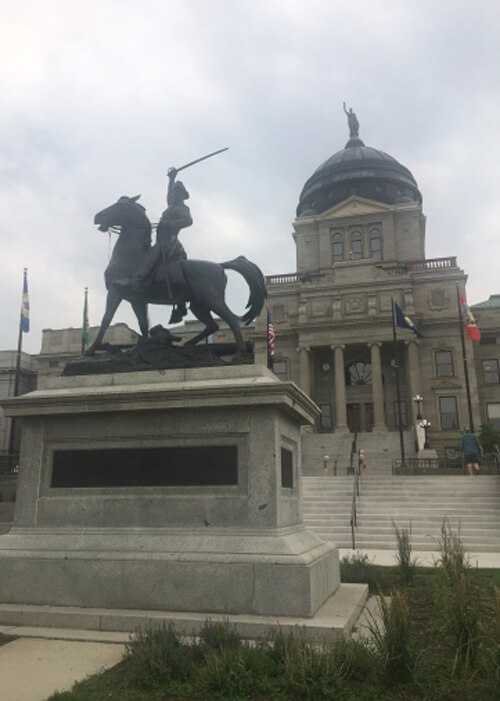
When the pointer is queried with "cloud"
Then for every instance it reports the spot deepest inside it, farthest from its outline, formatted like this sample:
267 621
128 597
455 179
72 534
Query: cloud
101 97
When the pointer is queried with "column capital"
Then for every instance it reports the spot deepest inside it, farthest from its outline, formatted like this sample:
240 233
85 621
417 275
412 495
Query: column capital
303 348
337 345
412 341
378 344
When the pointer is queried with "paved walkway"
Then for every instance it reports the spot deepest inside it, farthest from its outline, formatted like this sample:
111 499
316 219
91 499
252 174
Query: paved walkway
45 660
33 669
423 558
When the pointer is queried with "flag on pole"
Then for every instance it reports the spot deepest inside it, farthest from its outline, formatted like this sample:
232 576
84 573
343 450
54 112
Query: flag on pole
85 324
471 328
25 305
270 342
404 321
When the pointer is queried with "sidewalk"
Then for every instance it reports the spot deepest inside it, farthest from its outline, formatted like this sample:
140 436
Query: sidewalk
423 558
44 660
33 669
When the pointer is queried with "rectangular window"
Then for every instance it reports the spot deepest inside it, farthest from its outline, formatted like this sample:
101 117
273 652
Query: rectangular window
338 246
404 415
325 418
376 248
356 249
493 411
338 251
448 413
490 372
444 363
280 369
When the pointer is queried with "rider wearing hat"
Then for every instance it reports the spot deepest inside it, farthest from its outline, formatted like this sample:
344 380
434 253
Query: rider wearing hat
168 248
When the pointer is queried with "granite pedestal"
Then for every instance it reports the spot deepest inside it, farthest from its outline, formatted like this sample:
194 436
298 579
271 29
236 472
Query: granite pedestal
173 490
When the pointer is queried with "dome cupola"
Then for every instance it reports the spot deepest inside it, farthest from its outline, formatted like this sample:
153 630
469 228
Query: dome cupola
357 170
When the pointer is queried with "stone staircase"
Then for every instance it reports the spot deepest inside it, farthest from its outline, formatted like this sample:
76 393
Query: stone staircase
380 449
471 505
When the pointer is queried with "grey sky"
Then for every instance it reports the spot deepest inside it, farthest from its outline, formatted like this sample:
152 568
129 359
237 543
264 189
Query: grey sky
99 98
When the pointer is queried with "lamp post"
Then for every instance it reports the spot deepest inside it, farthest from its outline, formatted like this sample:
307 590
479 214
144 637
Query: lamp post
426 426
418 399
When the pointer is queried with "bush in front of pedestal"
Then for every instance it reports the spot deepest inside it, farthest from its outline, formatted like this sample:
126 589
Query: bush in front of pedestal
156 656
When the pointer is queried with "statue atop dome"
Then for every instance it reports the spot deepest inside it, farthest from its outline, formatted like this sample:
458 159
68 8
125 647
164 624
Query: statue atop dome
352 122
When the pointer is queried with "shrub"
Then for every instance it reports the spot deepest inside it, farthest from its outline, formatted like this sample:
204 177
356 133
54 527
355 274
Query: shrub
156 656
218 636
391 636
459 600
406 563
355 567
453 556
352 660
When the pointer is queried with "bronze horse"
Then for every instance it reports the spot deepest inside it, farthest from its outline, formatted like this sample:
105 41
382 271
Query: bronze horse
200 283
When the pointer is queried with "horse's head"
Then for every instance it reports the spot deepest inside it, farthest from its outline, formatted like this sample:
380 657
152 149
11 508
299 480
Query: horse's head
119 213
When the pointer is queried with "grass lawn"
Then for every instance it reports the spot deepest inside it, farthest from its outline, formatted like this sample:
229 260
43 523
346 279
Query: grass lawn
440 642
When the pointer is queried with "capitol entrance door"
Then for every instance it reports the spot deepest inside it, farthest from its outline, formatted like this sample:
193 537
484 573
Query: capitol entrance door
360 417
353 418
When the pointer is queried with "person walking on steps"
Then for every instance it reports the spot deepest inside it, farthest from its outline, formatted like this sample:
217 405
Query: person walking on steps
471 449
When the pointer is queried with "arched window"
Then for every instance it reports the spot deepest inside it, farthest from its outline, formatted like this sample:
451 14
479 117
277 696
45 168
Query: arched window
375 244
356 252
359 373
338 247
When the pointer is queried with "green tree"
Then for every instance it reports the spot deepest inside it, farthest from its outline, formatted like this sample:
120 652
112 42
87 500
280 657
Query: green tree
489 437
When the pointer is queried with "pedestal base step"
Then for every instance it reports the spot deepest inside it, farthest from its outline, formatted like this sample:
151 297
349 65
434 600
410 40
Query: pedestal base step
335 618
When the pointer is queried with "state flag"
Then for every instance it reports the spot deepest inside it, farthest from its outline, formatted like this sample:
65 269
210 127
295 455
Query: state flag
404 321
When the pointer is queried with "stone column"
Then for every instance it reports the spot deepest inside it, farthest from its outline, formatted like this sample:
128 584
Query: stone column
340 398
414 376
304 369
379 423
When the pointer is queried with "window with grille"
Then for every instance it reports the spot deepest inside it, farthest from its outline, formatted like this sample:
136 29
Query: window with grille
448 413
490 372
444 363
280 369
359 373
356 252
325 418
338 247
376 244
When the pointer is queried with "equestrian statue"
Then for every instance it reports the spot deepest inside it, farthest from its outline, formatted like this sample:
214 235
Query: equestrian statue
161 274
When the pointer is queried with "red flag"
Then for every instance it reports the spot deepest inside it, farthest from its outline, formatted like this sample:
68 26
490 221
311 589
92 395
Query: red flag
471 328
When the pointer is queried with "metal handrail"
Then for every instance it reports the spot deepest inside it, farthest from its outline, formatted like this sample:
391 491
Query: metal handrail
350 470
438 466
354 511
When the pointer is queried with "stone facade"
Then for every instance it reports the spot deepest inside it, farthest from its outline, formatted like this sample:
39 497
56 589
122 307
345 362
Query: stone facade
27 383
333 324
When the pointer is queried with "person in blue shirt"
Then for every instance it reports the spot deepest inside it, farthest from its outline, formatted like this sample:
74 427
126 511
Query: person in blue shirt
471 449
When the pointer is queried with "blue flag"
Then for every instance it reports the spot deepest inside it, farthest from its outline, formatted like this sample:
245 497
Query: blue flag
405 322
25 306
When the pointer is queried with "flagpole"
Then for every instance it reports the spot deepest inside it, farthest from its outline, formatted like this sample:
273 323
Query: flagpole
398 389
85 318
17 376
19 345
464 356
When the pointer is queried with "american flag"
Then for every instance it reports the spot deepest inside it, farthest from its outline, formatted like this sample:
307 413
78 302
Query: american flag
270 342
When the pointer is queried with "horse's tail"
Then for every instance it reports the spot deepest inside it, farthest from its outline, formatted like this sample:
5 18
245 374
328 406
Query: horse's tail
255 281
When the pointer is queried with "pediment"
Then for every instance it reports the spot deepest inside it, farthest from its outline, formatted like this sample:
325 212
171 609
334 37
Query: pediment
355 206
446 384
